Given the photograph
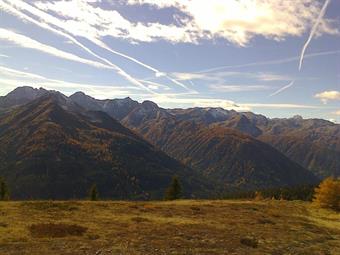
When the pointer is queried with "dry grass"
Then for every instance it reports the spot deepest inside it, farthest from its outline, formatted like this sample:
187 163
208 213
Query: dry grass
52 230
181 227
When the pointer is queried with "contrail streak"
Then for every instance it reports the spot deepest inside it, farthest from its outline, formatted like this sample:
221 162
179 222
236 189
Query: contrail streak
119 70
313 31
283 88
305 46
47 18
157 72
270 62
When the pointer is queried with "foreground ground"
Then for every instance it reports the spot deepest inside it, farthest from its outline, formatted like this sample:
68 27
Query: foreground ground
183 227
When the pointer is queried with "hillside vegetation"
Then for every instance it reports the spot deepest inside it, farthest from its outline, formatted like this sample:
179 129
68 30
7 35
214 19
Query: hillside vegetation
180 227
49 149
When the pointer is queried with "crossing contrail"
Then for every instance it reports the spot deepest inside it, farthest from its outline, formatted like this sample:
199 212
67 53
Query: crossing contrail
48 19
305 46
313 31
119 70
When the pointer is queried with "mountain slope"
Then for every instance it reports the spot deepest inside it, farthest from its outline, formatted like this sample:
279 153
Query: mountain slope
116 108
312 143
20 96
49 151
230 157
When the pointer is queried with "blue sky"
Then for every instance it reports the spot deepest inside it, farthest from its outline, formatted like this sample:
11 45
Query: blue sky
236 54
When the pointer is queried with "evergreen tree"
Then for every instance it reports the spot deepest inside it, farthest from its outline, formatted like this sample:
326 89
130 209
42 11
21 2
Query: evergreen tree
327 195
174 191
4 193
94 193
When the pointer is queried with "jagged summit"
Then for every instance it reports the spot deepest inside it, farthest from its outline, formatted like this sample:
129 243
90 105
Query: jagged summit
312 143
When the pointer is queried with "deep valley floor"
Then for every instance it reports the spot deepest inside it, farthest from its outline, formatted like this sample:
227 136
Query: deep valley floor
181 227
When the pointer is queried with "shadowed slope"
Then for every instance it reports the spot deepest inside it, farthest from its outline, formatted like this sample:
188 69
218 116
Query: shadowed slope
50 151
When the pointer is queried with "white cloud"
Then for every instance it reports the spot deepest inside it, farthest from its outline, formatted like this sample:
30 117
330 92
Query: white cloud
239 21
218 81
238 88
83 19
281 106
12 78
176 101
49 22
328 96
221 76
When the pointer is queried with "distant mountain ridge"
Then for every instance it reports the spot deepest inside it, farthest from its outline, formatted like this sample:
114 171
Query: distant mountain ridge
312 143
51 148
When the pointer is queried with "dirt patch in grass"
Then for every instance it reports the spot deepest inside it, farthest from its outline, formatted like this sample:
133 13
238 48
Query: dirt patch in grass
51 206
139 219
56 230
3 225
250 242
265 221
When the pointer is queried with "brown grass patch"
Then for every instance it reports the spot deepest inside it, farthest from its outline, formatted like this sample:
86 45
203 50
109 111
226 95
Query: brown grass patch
51 206
139 219
56 230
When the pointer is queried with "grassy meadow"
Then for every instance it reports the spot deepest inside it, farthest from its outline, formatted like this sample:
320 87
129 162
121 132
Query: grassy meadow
180 227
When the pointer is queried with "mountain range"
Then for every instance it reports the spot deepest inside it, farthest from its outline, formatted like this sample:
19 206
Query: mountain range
54 146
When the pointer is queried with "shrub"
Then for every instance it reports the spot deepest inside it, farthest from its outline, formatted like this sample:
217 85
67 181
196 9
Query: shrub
327 195
258 196
174 191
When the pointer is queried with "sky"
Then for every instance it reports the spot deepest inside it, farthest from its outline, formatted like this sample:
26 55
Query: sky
278 58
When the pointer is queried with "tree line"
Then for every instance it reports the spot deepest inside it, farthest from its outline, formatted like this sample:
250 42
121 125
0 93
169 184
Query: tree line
325 195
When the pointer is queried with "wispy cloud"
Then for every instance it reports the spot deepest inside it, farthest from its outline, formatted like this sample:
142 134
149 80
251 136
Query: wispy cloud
57 23
219 81
65 29
3 56
26 42
12 78
233 20
238 88
328 96
223 103
270 62
240 21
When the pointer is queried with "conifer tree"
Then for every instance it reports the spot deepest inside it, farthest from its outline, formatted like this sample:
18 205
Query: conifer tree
327 195
4 193
94 193
174 191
